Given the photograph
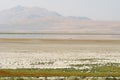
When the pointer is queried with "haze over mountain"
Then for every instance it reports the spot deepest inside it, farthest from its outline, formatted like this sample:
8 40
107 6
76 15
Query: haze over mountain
27 19
19 12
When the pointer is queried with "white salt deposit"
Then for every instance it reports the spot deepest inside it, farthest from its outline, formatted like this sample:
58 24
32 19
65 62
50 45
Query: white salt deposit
43 60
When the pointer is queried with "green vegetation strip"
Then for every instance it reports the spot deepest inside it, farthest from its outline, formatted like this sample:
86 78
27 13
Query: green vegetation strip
98 72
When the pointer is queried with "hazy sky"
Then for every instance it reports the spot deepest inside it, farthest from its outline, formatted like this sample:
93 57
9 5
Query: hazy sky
95 9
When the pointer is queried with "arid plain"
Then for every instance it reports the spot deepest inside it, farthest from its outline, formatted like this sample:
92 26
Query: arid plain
56 53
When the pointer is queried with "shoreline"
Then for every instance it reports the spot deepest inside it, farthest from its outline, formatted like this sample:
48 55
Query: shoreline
61 40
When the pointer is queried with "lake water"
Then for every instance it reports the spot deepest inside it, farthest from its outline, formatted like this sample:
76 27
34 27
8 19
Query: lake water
59 36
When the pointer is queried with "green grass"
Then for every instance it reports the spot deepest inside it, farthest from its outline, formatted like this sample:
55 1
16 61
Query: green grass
106 70
58 72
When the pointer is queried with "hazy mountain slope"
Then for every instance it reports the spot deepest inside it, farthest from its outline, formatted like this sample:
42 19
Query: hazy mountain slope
20 12
26 19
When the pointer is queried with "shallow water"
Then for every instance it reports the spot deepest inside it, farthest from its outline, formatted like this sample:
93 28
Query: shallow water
60 36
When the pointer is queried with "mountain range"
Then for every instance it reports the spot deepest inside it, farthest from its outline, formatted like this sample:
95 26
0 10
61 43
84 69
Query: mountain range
35 19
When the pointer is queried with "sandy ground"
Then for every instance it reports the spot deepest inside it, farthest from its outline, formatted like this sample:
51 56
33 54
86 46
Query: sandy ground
56 53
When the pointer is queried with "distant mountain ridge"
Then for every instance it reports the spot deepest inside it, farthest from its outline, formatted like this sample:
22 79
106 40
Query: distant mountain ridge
35 19
81 18
20 12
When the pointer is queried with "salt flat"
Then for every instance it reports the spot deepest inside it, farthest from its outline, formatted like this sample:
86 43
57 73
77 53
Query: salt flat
56 53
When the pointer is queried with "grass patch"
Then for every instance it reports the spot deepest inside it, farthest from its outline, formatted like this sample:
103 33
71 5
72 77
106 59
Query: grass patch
95 72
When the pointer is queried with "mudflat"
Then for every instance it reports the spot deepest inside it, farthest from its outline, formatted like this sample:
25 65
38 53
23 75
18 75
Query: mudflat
37 40
57 53
23 44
